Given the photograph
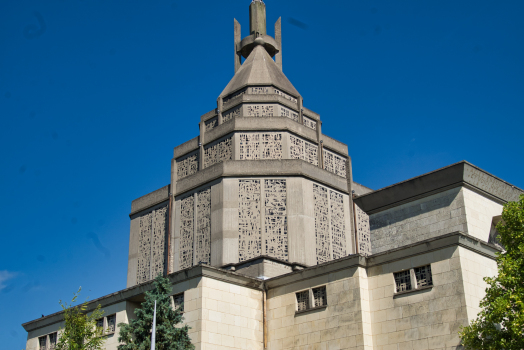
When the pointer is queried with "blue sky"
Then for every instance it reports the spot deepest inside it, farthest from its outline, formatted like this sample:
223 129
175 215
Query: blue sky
94 95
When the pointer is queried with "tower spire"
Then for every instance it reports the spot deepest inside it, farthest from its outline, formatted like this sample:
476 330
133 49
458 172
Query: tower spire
257 35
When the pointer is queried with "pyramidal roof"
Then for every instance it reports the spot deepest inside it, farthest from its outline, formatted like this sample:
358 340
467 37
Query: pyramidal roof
259 69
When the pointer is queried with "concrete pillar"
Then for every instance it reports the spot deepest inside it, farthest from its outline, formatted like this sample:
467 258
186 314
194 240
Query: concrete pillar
301 221
257 18
278 39
176 236
238 57
224 222
220 104
352 231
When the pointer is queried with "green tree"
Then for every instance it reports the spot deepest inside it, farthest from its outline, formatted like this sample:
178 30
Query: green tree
500 323
80 332
137 334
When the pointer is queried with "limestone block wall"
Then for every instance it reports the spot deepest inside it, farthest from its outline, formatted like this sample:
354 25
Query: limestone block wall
192 290
474 268
343 324
425 319
428 217
231 316
479 212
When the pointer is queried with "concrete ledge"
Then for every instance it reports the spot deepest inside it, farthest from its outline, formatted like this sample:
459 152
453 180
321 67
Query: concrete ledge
186 147
458 174
261 168
151 199
206 116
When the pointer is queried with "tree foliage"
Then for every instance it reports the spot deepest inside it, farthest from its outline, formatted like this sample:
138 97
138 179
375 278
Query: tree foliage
500 324
80 331
137 334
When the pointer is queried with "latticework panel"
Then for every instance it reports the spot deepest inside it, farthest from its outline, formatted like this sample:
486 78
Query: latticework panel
144 248
302 149
319 296
187 221
271 146
260 110
402 281
160 219
423 276
334 163
286 96
285 112
338 225
259 90
203 229
363 233
230 114
276 241
249 219
254 146
303 300
187 166
235 95
218 152
211 123
320 195
310 123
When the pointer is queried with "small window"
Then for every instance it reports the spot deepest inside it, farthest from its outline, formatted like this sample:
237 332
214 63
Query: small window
403 281
100 323
52 341
423 276
178 300
303 300
111 322
42 342
319 296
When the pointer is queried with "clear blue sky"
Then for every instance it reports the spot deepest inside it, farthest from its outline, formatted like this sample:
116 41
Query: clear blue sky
95 94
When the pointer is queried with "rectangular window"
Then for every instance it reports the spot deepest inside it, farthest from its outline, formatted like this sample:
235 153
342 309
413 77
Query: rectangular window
178 300
100 323
111 323
42 341
403 281
423 276
320 296
52 340
303 300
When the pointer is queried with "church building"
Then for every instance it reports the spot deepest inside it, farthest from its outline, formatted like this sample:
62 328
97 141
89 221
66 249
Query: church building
269 244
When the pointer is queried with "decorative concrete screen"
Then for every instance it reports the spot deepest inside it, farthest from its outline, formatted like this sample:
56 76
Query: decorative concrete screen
260 110
302 149
363 233
310 123
187 165
151 243
337 224
286 112
235 95
334 163
273 221
187 222
255 146
330 227
286 96
211 123
218 152
249 220
230 114
195 229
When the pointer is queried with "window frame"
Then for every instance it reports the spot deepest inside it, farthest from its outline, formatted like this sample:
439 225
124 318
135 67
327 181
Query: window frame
105 324
414 283
174 305
47 338
311 299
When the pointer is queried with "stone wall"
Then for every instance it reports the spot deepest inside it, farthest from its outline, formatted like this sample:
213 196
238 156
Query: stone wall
479 213
474 268
231 316
425 319
343 324
418 220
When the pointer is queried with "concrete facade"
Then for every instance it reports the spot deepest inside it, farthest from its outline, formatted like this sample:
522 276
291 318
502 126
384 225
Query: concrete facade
270 243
